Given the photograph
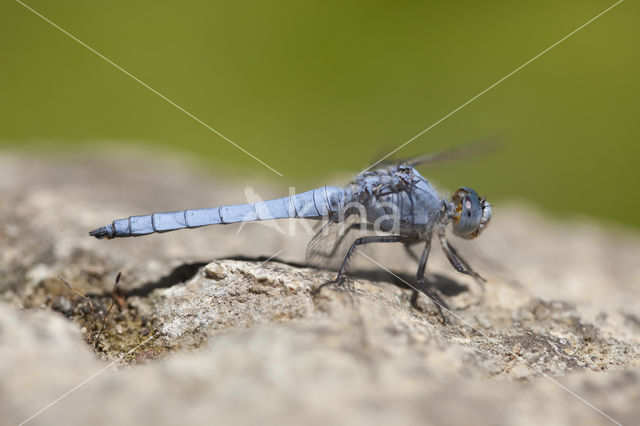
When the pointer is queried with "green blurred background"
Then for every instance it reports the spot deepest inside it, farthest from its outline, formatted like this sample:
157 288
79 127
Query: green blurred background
315 88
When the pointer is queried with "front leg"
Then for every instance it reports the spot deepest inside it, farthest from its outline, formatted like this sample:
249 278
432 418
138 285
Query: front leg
454 258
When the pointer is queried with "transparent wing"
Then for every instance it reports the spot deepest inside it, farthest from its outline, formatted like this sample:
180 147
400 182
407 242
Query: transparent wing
328 247
469 149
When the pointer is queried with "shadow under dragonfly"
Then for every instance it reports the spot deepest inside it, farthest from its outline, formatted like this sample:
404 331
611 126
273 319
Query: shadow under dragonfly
443 284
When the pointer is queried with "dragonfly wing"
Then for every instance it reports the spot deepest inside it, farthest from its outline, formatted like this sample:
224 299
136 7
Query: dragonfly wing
470 149
328 247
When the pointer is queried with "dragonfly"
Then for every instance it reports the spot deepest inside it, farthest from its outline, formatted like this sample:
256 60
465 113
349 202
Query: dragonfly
394 203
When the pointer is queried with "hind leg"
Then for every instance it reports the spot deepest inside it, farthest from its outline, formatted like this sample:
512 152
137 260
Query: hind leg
340 278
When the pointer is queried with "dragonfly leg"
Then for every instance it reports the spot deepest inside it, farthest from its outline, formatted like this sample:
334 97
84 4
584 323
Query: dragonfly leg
360 241
313 253
454 258
422 266
353 226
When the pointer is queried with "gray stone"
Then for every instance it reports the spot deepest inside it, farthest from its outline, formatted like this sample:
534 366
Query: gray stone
237 340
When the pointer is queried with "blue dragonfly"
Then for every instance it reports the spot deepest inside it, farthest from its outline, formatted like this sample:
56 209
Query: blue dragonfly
394 202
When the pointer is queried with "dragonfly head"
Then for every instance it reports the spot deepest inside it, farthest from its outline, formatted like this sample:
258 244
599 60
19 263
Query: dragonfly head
471 213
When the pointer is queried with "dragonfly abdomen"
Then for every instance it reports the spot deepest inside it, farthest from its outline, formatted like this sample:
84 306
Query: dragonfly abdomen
312 204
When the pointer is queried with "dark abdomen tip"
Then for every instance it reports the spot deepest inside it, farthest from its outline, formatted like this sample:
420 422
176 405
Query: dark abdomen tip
104 232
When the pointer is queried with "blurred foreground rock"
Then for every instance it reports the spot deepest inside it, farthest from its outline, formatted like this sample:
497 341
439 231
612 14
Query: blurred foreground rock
204 329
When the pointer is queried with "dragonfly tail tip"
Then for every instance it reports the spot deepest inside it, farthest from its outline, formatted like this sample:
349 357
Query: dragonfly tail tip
101 233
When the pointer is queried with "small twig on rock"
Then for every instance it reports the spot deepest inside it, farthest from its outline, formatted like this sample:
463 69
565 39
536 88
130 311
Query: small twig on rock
113 297
76 292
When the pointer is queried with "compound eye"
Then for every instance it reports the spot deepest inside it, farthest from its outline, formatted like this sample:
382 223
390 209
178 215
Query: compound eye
470 218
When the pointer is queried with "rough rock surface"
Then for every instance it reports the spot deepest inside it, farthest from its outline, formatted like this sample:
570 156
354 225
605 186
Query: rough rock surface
204 328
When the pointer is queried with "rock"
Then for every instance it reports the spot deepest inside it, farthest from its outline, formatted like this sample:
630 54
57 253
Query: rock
214 271
190 339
